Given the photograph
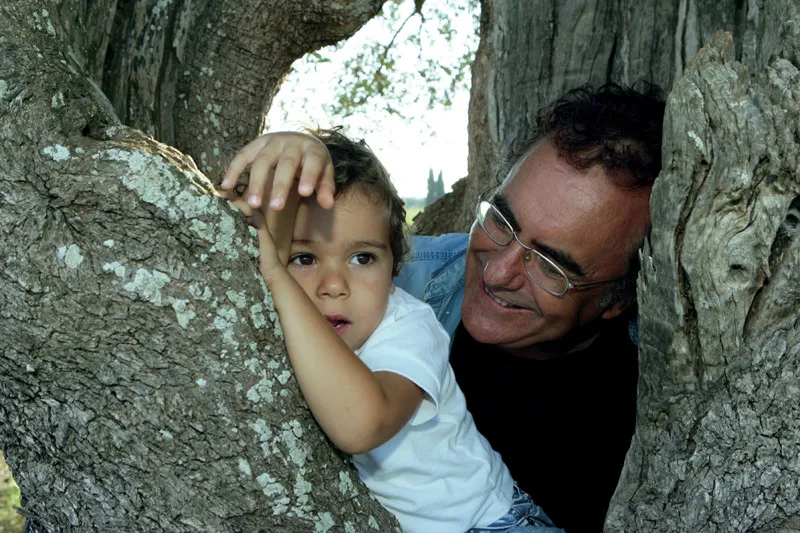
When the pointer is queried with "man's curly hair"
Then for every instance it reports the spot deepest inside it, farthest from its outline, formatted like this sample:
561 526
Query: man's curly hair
616 127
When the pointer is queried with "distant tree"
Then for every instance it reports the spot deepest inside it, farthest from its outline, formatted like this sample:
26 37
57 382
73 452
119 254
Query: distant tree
439 186
435 188
431 197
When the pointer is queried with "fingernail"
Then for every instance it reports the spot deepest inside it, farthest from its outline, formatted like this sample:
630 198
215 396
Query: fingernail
275 203
253 201
306 189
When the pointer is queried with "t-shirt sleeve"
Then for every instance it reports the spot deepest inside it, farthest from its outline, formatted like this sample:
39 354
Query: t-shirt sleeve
413 344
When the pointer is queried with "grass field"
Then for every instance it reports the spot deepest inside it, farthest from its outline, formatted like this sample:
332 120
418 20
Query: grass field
10 521
411 212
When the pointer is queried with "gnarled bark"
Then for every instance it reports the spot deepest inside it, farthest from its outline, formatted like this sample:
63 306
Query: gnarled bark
200 75
143 381
717 444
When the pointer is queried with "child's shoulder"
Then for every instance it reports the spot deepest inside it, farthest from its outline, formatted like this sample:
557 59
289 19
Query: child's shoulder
410 312
403 303
409 326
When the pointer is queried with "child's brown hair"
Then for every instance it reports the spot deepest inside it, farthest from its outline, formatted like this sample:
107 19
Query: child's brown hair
355 165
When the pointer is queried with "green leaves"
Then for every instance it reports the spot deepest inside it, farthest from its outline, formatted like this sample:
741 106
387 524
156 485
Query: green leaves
413 58
419 62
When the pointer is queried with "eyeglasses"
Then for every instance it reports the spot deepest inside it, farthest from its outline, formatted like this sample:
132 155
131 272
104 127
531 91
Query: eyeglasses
542 270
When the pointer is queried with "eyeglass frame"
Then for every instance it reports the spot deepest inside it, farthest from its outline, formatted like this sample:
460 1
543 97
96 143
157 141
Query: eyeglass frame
528 250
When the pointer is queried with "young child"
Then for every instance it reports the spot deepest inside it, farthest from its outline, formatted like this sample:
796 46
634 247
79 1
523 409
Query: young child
372 361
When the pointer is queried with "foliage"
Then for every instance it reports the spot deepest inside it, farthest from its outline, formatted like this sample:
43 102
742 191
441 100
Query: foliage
374 71
10 520
406 70
413 203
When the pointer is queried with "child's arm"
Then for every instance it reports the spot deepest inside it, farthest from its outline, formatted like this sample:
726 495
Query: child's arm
358 409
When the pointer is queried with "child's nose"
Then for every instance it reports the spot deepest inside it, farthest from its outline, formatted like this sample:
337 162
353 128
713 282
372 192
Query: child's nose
333 284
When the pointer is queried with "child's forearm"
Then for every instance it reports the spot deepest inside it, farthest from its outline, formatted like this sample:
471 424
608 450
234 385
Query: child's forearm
351 404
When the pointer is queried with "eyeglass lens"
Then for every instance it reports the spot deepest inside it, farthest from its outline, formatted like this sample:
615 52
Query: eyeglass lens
537 266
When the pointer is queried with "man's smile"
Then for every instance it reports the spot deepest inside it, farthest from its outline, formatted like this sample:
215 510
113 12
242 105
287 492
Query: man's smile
498 300
505 304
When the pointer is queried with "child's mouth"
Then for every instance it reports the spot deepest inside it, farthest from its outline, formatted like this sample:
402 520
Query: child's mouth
339 323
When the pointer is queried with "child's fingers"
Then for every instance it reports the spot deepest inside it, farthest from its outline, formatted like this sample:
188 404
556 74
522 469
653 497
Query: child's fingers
238 202
275 161
240 162
315 161
326 188
261 178
242 206
285 172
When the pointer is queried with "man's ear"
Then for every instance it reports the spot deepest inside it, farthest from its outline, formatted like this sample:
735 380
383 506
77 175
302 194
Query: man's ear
618 308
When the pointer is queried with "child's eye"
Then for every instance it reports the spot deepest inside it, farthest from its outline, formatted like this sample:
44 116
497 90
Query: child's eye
362 259
302 259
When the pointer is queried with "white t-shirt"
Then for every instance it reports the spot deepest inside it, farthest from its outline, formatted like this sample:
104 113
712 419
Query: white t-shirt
438 474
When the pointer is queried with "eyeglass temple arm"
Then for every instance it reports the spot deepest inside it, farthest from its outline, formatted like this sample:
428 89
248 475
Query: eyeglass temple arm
593 283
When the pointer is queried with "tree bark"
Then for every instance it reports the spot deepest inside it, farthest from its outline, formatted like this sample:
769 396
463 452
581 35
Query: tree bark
717 444
531 53
143 380
200 75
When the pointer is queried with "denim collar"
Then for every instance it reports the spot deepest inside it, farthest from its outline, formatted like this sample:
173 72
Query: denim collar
448 278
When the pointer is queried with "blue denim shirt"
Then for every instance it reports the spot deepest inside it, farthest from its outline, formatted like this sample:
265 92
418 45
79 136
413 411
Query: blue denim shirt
435 274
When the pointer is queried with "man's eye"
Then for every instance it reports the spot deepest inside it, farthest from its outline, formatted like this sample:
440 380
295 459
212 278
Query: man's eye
548 269
362 259
496 222
302 259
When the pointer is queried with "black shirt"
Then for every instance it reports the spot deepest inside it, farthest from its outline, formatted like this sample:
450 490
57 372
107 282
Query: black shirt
563 426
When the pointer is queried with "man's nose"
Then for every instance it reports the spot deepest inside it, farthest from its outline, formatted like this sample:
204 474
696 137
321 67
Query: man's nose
504 267
333 284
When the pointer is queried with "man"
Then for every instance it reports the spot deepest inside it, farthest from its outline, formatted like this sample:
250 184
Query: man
537 298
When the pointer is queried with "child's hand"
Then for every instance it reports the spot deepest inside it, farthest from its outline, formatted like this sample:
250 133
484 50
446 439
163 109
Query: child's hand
269 258
275 160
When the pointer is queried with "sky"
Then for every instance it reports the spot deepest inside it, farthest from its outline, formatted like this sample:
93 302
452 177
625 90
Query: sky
428 139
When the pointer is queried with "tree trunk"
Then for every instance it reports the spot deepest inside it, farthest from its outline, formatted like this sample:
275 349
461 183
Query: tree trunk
717 444
143 380
533 52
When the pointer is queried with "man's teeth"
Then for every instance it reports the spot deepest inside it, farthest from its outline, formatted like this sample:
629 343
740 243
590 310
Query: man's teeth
498 300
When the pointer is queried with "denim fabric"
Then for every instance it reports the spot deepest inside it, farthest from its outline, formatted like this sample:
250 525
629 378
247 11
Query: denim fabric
435 274
523 517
